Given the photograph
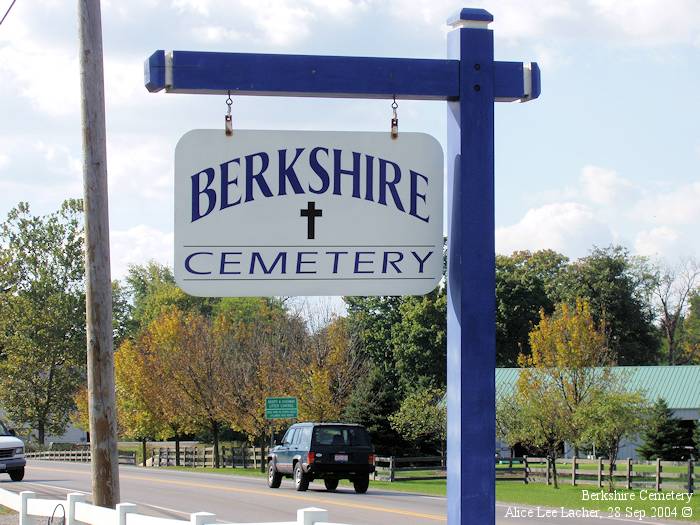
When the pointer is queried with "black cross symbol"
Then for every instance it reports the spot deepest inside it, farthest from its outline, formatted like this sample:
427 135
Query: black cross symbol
311 213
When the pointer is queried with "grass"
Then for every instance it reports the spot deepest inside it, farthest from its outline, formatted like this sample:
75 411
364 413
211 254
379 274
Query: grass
571 497
5 510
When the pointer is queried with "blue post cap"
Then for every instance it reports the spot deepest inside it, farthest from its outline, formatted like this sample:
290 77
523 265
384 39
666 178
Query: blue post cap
469 14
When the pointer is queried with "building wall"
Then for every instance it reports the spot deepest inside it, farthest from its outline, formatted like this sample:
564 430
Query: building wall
72 434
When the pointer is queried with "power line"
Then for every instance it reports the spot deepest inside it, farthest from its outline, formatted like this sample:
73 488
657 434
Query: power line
7 12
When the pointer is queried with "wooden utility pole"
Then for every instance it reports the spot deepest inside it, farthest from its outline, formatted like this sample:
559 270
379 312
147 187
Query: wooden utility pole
98 294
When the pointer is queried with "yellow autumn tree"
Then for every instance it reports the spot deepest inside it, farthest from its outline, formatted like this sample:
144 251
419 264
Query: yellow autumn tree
568 367
81 415
327 369
138 409
187 357
261 352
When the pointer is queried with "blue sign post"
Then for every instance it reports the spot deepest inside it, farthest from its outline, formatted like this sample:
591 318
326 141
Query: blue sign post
470 81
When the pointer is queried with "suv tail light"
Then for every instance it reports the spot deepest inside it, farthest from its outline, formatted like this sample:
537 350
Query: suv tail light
370 459
311 457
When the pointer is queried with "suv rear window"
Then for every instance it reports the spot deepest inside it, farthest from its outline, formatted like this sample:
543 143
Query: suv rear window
341 436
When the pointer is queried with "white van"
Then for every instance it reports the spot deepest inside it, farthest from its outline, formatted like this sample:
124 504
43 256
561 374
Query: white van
12 459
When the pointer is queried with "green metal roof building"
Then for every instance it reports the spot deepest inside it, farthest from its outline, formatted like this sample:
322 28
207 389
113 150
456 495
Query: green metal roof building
679 386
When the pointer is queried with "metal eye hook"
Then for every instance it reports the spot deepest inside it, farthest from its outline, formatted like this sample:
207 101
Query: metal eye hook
228 119
394 120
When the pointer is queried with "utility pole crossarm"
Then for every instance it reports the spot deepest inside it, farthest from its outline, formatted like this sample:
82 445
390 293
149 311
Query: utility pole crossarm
326 76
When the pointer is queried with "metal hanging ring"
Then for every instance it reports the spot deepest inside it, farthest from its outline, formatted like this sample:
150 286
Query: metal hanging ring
394 105
229 101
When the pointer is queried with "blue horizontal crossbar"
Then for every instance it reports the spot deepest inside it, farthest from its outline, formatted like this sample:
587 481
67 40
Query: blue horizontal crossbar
318 76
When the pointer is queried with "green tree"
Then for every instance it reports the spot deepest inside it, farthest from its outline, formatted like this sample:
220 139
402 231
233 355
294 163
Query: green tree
690 345
672 292
371 403
153 292
664 437
422 418
618 287
569 354
122 314
377 394
419 341
371 321
509 420
611 417
42 316
524 286
543 419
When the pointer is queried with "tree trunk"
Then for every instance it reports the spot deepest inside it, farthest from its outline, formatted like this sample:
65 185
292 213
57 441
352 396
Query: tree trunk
143 452
611 471
215 433
262 453
177 449
554 471
42 431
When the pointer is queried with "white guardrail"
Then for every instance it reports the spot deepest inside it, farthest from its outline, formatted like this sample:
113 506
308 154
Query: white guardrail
78 512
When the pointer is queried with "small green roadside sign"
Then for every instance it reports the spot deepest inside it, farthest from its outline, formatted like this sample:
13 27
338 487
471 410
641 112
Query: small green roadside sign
281 408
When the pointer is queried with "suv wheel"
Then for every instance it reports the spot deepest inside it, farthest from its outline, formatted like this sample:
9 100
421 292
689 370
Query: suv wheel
361 484
301 480
331 484
274 478
17 475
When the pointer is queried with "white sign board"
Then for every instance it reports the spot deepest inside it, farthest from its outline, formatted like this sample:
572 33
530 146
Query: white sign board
264 213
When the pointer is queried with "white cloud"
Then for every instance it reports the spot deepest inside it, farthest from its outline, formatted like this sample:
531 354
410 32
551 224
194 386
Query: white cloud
660 241
651 22
59 159
550 57
216 33
137 245
679 206
568 227
635 22
276 23
48 77
603 185
140 166
4 160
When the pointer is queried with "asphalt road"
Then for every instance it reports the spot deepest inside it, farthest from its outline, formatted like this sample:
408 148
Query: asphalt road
174 494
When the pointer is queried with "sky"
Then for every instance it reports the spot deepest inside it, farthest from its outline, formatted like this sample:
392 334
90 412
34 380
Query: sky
610 152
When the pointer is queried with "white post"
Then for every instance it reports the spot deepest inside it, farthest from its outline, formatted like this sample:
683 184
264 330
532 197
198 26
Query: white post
122 510
24 496
202 518
311 515
73 498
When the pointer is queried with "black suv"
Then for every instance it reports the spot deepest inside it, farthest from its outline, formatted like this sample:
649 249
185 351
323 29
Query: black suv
327 451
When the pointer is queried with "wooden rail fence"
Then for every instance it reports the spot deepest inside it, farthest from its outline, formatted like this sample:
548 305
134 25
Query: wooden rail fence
233 457
655 475
420 468
81 456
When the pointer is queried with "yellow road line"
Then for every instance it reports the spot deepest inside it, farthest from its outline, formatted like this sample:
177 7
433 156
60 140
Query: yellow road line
296 497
